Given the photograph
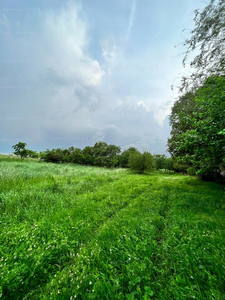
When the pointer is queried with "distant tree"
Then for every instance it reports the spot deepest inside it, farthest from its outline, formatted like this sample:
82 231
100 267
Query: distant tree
160 161
141 162
76 157
169 164
65 155
31 153
54 155
124 157
88 158
41 155
113 152
105 155
100 149
20 150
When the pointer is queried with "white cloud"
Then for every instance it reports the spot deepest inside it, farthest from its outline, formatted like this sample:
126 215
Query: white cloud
108 48
131 19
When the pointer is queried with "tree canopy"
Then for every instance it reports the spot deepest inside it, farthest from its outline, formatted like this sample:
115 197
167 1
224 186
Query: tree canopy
201 139
20 150
208 39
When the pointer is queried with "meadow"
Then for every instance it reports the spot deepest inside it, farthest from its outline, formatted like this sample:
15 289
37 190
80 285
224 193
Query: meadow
77 232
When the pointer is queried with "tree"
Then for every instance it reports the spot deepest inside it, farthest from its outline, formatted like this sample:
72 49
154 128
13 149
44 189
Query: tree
31 153
208 37
169 164
124 157
203 146
141 162
54 155
100 149
88 158
186 104
106 155
113 152
160 161
76 157
20 150
41 155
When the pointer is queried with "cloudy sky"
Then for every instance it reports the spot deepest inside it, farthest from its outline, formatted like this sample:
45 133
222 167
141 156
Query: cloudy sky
76 72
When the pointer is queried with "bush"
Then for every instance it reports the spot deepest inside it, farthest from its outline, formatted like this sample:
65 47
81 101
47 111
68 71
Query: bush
141 162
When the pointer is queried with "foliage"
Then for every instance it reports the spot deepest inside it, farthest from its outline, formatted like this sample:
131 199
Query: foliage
76 156
141 162
124 157
33 154
54 155
179 166
185 104
202 146
78 232
88 158
105 155
160 161
20 150
208 37
169 164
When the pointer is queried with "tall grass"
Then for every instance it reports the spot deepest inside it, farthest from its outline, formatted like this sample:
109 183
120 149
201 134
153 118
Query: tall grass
75 232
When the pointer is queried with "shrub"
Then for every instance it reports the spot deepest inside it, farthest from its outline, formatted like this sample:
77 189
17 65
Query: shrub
141 162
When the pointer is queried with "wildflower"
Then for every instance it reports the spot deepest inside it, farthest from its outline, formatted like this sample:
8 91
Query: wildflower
90 282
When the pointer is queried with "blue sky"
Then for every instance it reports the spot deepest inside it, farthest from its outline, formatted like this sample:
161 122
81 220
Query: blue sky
76 72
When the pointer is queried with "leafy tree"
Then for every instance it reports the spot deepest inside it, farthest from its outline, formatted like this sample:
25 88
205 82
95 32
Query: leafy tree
54 155
76 157
41 155
141 162
105 155
124 157
160 161
88 158
65 155
208 37
31 153
185 104
169 164
113 152
100 149
20 150
202 146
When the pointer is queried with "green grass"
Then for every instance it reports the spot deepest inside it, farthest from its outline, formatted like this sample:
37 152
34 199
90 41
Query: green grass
76 232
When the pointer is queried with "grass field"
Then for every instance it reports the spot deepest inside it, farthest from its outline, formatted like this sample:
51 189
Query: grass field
76 232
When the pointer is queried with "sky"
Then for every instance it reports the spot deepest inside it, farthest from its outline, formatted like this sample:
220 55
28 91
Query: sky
73 73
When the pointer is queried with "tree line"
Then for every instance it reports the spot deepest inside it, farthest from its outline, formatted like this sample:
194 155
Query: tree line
103 155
